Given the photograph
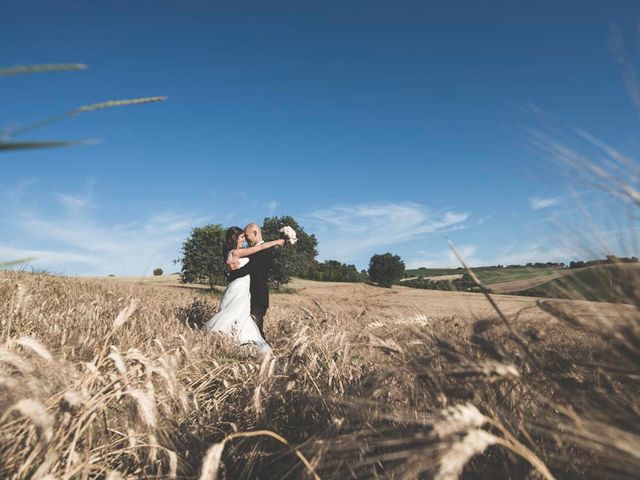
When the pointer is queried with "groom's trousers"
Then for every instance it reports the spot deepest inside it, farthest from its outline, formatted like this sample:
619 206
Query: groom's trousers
258 314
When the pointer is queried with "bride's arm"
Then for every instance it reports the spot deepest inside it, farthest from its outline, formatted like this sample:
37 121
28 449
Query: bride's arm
232 262
245 252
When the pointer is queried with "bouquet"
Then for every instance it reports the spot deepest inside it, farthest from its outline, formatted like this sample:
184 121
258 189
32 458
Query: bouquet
289 234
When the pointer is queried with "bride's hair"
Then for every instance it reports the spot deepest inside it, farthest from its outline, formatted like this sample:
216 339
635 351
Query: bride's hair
231 239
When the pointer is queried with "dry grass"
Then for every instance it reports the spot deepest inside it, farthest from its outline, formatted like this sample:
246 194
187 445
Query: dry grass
108 378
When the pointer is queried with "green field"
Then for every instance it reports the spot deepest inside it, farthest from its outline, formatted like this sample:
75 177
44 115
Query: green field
487 275
499 275
600 283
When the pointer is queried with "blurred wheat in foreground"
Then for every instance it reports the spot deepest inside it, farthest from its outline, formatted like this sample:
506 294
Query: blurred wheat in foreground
112 379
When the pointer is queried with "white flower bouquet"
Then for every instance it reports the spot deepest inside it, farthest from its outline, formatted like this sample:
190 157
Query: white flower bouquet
289 234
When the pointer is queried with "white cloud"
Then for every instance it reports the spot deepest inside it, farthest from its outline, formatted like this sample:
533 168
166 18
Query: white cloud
540 203
70 240
345 231
445 258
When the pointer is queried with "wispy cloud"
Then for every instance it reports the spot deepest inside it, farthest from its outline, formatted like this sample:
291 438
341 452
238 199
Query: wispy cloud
67 238
540 203
271 207
77 201
73 202
14 193
525 252
345 231
57 260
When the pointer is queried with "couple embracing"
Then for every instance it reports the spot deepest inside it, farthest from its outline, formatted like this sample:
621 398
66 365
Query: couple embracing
246 298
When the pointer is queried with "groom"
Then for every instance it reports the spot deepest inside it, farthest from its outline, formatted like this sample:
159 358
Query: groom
259 267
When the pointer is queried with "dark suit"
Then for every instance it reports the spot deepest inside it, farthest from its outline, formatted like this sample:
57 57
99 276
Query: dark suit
259 267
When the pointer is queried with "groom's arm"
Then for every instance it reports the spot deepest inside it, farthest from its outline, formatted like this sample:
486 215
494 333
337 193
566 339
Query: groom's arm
258 262
251 267
248 269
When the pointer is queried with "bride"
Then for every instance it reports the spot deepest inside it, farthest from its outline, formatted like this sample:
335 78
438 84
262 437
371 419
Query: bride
234 317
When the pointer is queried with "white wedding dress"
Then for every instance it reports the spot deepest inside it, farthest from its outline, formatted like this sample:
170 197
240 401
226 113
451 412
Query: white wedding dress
234 315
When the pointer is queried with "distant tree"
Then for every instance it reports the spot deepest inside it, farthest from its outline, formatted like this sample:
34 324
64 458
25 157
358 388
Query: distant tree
335 271
386 269
291 260
158 272
608 260
202 256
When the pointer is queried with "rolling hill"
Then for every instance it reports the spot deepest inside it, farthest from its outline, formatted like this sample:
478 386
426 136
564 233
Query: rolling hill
601 283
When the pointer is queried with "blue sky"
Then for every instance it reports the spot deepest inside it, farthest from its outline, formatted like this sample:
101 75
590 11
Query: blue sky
381 126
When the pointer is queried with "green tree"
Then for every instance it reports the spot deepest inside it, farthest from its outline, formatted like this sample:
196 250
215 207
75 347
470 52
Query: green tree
291 260
386 269
157 272
202 256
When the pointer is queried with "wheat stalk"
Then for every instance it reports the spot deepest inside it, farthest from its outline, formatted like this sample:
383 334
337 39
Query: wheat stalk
36 347
84 109
13 263
211 461
452 463
46 67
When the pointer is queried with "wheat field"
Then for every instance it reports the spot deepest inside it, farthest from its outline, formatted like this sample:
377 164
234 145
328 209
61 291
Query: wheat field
111 378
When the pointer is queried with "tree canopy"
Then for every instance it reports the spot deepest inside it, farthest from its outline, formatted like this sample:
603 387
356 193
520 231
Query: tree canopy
291 260
335 271
386 269
202 256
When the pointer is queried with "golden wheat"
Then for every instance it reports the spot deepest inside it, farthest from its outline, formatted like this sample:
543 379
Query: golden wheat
108 379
